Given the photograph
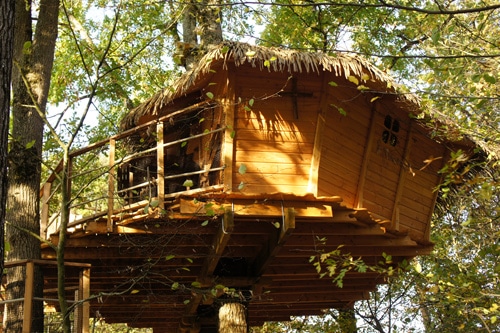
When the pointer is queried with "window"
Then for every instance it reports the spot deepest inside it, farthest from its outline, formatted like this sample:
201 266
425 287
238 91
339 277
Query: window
389 135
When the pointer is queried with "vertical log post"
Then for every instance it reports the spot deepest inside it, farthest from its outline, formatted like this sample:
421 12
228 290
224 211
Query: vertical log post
232 318
347 319
160 152
84 292
28 296
111 184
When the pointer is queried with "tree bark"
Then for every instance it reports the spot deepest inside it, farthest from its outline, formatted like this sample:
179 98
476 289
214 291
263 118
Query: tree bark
34 56
232 318
203 19
209 20
6 54
347 320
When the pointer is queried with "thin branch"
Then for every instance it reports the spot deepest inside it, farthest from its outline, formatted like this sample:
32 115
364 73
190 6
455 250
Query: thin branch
362 4
31 233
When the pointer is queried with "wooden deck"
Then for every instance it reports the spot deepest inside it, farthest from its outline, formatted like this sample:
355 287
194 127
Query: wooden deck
171 269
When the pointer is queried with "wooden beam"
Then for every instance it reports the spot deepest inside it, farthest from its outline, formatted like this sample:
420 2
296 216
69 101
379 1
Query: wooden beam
28 296
111 183
256 209
228 148
312 185
219 244
275 244
358 201
218 247
84 291
401 179
160 160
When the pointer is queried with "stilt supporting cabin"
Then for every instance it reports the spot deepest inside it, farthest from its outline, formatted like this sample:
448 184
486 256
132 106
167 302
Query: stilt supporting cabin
224 187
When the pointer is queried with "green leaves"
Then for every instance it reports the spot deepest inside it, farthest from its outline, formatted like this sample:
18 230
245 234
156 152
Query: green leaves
188 183
242 169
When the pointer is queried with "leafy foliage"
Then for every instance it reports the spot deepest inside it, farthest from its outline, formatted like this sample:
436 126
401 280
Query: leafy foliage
447 52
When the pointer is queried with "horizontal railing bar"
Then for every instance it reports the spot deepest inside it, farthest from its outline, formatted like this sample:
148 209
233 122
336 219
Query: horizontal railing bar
15 300
127 133
171 143
170 177
193 173
168 144
43 262
136 187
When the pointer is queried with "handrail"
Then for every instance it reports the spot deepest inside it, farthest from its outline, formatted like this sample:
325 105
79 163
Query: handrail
106 198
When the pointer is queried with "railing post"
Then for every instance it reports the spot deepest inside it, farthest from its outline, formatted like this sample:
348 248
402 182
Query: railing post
160 160
111 184
81 295
28 296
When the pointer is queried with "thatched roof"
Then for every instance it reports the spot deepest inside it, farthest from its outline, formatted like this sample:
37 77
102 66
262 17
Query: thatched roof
266 59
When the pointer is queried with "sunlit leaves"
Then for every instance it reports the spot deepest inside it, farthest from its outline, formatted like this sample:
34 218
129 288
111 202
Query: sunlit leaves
242 169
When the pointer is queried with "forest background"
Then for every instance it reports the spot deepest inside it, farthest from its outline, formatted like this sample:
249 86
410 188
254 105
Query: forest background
88 63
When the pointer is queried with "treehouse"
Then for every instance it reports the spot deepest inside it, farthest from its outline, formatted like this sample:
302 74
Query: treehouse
233 184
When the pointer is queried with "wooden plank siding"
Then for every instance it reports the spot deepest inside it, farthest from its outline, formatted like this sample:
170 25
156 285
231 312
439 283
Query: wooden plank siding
343 143
419 196
271 142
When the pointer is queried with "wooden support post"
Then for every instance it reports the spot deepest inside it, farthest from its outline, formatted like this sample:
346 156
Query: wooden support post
77 313
84 293
267 254
82 313
219 244
228 149
111 184
233 318
401 180
28 296
160 159
324 105
312 186
358 201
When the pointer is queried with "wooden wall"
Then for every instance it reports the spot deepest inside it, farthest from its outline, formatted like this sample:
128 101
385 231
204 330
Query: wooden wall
358 157
274 145
328 139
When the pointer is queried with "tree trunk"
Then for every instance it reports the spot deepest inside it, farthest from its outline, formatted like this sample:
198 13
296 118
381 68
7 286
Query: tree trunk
232 318
6 54
34 57
347 320
209 20
203 19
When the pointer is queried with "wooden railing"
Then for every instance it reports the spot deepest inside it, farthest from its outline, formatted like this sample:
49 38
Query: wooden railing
100 196
82 293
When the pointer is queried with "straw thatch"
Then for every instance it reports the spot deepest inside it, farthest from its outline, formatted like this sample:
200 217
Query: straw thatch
265 59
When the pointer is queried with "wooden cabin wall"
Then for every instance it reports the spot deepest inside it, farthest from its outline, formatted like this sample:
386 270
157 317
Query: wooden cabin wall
385 161
272 142
347 125
418 196
359 163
